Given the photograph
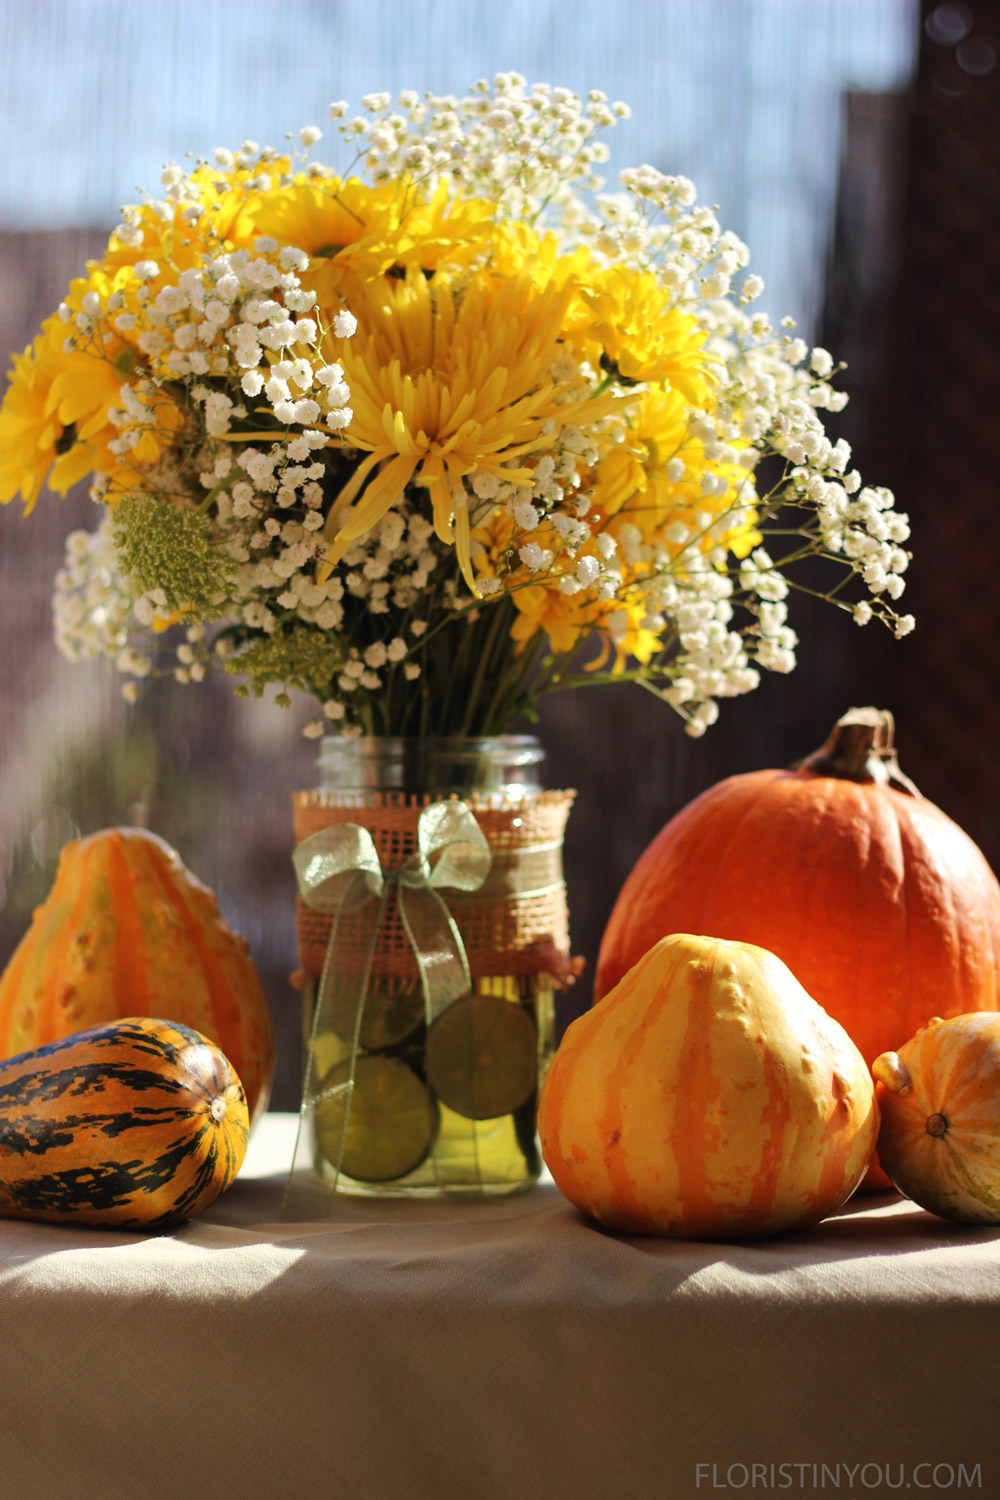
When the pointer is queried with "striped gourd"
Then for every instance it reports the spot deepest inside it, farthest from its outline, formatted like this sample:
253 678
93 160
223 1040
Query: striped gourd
707 1096
127 930
138 1124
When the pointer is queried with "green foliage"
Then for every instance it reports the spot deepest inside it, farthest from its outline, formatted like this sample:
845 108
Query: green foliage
161 547
299 657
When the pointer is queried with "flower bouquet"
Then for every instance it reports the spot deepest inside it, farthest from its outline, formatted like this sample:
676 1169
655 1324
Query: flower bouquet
438 432
407 444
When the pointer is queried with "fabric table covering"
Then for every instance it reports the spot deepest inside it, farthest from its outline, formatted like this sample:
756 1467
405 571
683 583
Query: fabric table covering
493 1351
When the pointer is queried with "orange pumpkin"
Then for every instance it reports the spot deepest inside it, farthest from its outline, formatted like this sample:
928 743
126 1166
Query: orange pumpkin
127 930
884 910
940 1101
707 1097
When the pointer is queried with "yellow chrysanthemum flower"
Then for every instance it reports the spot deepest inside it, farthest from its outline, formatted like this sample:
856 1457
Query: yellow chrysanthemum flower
351 231
449 379
569 619
30 434
627 315
629 487
178 241
632 485
89 380
541 606
657 431
516 250
565 619
618 317
54 425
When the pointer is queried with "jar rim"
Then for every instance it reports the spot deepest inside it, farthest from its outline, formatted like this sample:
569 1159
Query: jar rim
453 746
415 763
443 740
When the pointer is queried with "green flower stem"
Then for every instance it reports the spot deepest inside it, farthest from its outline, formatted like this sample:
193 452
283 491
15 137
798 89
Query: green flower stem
488 652
457 672
506 702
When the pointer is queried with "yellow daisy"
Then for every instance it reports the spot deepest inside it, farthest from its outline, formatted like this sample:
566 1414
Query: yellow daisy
88 383
569 619
565 619
516 249
177 244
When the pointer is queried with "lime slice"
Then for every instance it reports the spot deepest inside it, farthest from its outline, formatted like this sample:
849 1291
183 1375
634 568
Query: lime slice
481 1057
391 1123
394 1008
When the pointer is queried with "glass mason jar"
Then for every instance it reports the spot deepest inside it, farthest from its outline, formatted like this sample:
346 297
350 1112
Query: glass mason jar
441 1101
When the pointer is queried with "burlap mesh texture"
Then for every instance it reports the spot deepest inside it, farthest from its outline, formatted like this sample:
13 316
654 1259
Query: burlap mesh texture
503 932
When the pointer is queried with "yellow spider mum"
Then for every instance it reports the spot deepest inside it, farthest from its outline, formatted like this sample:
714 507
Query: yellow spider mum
449 379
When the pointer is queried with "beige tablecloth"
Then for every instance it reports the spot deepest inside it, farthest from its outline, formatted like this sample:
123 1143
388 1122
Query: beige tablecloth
493 1352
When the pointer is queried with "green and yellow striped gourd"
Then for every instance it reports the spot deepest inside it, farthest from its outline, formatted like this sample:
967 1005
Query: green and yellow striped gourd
138 1125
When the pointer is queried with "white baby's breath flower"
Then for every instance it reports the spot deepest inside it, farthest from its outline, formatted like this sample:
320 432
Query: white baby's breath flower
534 557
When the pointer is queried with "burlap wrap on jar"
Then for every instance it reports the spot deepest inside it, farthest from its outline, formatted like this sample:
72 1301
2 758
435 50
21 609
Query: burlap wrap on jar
517 923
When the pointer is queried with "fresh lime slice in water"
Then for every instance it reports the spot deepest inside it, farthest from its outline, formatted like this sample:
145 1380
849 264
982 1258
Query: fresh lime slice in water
391 1122
393 1010
482 1057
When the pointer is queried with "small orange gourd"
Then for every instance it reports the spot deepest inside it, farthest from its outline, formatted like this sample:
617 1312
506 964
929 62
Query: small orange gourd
940 1102
127 930
707 1097
882 907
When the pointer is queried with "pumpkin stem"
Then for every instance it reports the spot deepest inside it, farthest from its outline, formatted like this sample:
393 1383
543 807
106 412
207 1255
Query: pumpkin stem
889 1070
860 748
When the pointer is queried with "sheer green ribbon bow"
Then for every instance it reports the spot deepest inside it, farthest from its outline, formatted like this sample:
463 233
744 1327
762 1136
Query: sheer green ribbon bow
339 871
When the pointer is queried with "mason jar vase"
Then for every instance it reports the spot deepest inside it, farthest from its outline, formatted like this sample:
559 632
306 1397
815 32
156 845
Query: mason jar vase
441 1102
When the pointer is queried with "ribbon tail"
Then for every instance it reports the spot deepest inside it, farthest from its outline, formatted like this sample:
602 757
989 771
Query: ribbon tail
308 1195
443 966
437 947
